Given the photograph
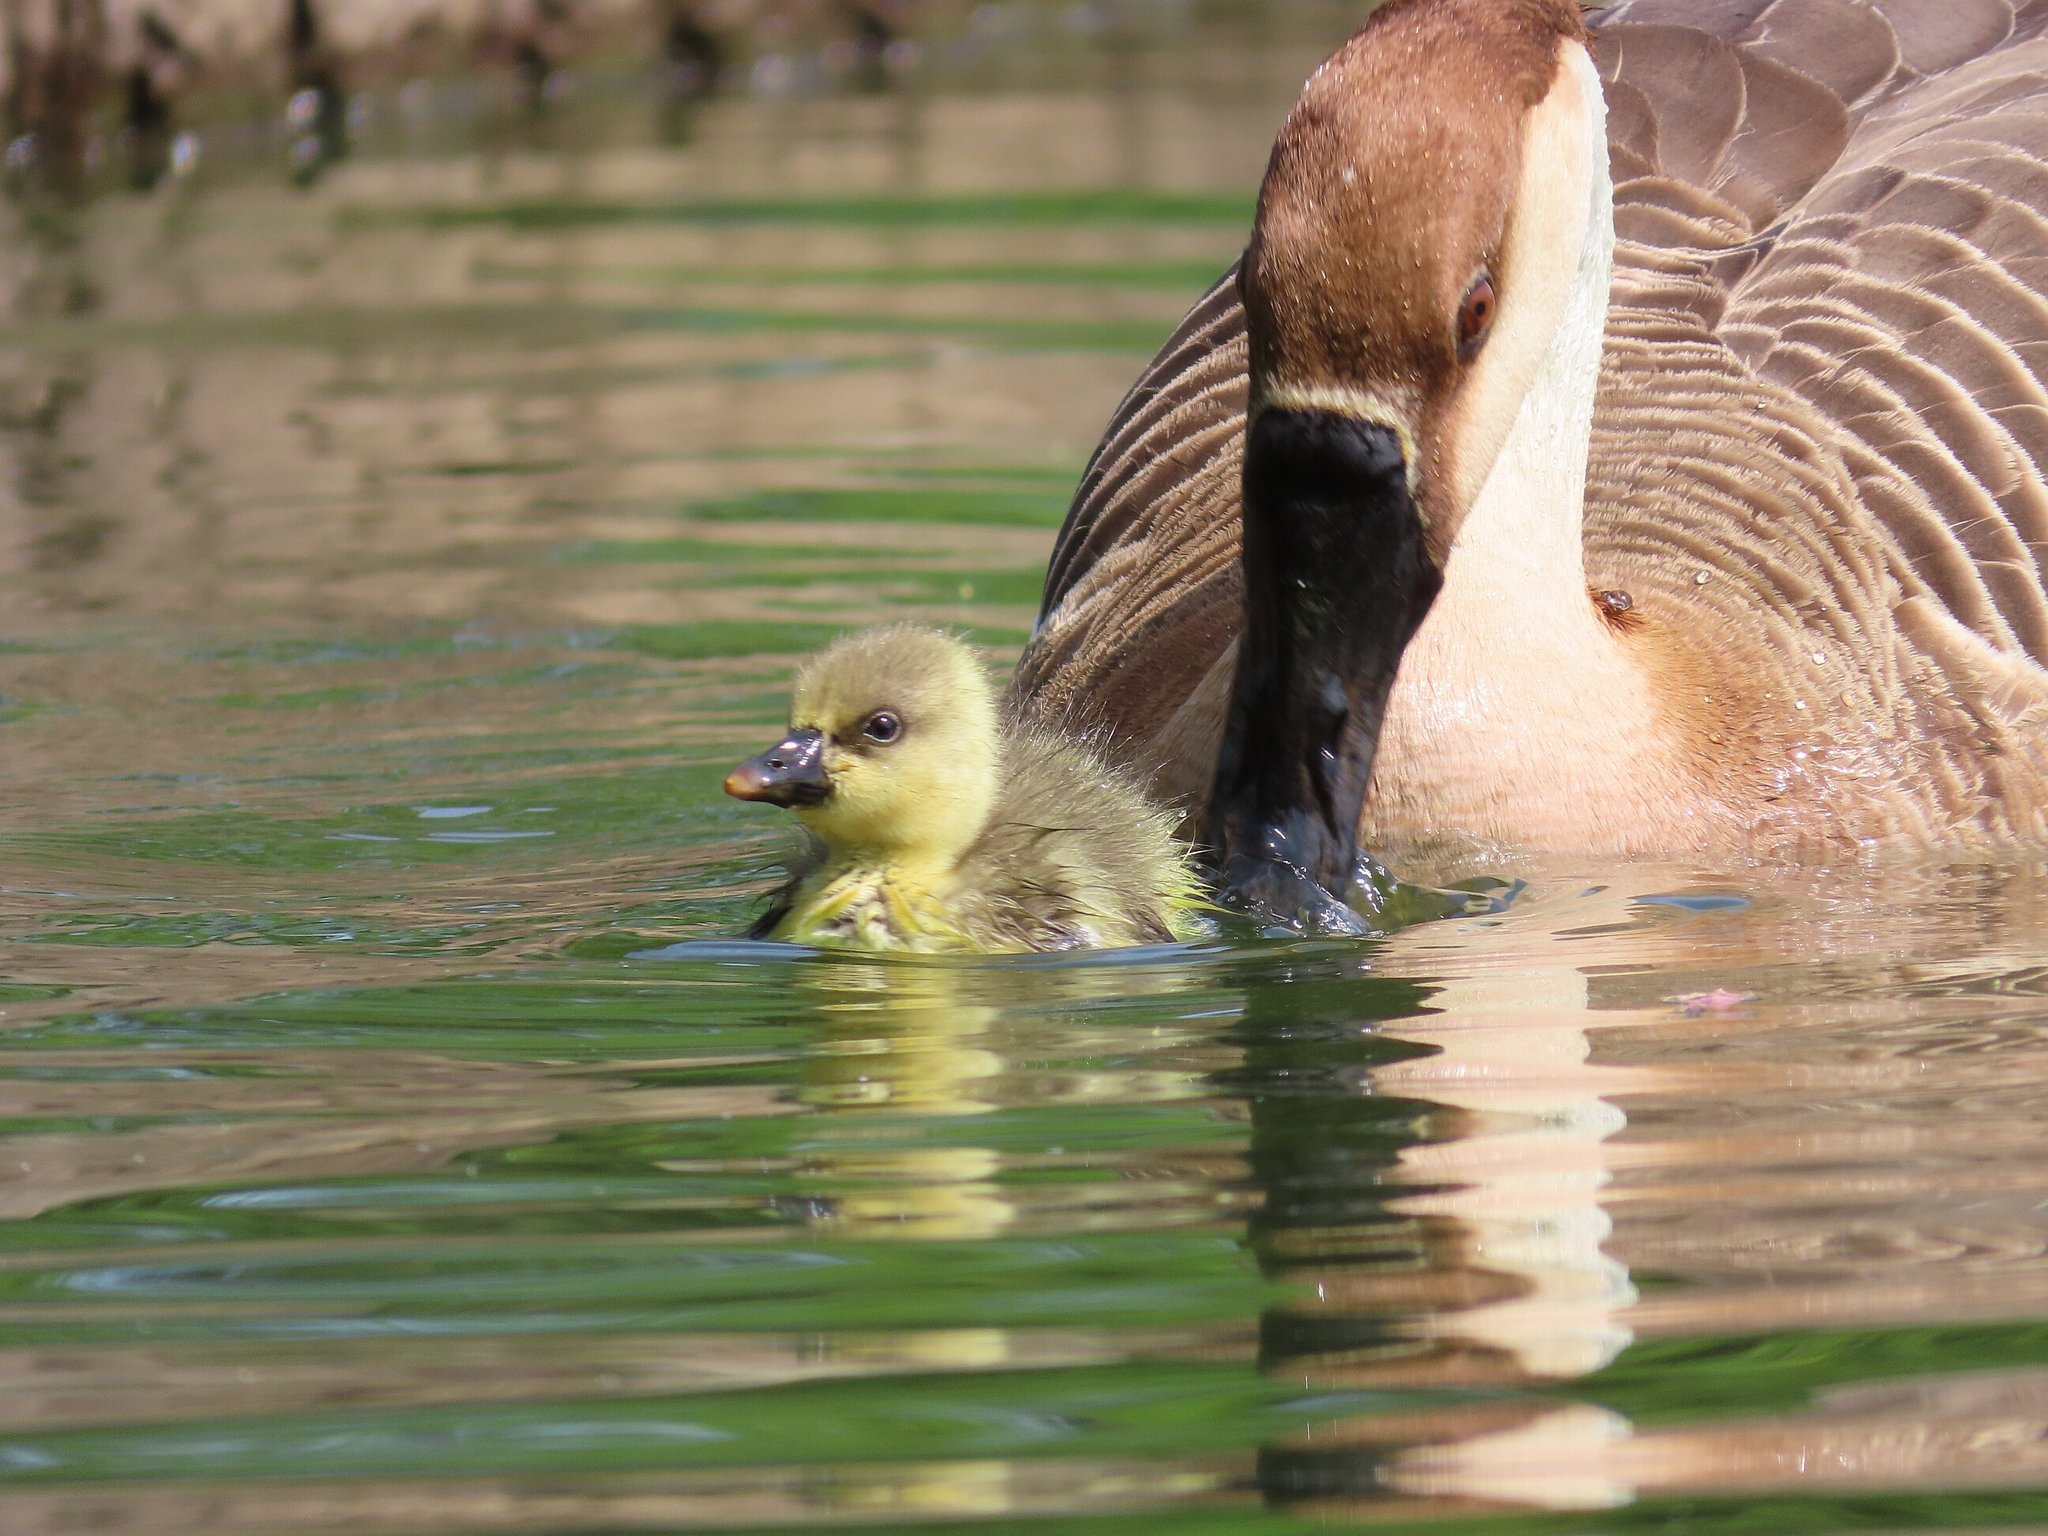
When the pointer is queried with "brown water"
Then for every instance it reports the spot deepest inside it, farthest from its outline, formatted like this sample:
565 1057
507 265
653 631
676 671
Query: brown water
393 1138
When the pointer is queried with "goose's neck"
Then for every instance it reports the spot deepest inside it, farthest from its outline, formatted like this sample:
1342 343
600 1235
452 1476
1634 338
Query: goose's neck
1522 540
1514 664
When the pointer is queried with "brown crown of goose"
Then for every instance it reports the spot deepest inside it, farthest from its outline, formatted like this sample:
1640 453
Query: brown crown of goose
1382 206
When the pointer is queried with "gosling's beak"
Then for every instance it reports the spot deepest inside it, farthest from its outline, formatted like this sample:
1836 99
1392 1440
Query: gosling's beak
792 772
1337 579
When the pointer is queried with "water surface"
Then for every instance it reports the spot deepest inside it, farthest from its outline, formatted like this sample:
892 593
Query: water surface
393 1138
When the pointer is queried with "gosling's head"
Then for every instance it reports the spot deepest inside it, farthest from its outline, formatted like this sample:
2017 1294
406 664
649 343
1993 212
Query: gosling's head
892 746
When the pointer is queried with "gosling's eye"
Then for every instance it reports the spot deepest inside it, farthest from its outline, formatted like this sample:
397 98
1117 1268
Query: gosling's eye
882 727
1475 315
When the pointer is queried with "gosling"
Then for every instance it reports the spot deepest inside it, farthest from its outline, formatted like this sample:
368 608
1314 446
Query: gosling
938 825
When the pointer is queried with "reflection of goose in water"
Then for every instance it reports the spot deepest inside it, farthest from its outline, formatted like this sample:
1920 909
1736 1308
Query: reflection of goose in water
1473 1254
1500 1245
1504 1193
1446 1220
1525 1173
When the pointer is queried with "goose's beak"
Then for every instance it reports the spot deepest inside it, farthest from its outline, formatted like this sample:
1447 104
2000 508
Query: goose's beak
792 772
1337 579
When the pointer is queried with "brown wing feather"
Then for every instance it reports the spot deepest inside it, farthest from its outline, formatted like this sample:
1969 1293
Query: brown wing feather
1189 383
1842 44
1904 302
1833 221
1145 568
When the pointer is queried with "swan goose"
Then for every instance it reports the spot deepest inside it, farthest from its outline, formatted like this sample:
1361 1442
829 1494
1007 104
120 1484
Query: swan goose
1645 450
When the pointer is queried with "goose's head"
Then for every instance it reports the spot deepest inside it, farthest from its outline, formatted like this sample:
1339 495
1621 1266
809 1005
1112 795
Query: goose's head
1434 207
893 750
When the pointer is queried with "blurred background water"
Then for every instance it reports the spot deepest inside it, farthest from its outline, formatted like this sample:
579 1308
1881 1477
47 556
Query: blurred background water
396 546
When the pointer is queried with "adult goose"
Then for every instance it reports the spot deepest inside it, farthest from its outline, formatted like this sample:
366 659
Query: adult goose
1645 447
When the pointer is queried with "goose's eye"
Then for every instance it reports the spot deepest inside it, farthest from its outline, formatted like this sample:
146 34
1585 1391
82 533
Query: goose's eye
1475 315
882 727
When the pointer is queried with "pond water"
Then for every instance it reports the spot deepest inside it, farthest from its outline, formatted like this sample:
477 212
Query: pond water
393 1137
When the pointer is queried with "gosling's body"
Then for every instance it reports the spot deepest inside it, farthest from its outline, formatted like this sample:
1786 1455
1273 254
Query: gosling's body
1073 856
1758 562
965 830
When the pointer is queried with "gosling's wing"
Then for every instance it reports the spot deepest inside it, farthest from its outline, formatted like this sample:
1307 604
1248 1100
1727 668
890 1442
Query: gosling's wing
1013 893
1073 855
